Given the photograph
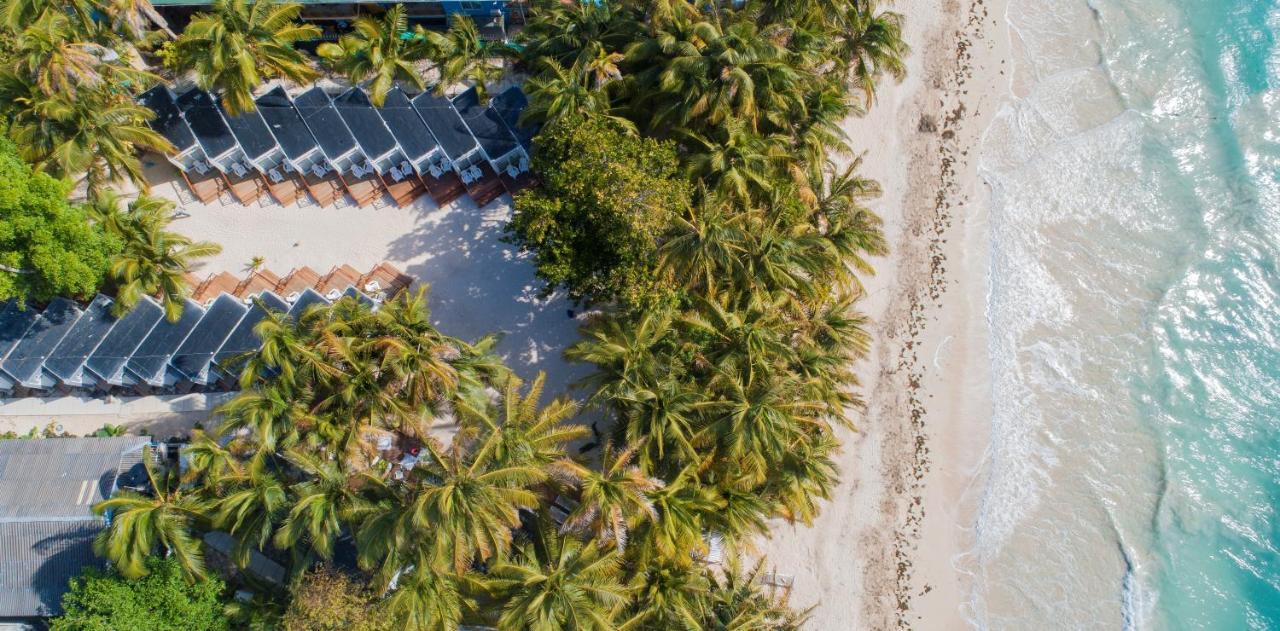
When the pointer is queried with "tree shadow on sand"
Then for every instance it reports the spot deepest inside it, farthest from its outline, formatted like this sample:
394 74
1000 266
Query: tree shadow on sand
481 285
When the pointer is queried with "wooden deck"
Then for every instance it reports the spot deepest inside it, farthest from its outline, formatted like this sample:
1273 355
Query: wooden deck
516 184
246 189
297 280
487 188
205 187
325 190
444 189
364 189
406 190
287 191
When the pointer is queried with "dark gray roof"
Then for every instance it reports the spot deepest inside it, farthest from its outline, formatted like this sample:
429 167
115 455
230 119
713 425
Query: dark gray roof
446 124
405 124
510 105
365 124
486 125
251 132
25 360
66 361
168 121
193 358
47 491
206 122
108 360
14 323
152 357
325 123
244 339
286 123
306 299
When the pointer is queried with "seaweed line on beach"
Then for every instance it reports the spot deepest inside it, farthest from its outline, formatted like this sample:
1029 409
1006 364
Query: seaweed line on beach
928 217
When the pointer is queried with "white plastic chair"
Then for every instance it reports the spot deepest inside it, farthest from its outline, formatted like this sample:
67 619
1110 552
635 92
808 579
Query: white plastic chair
466 177
435 170
475 173
238 169
513 171
524 164
317 170
200 167
396 174
275 176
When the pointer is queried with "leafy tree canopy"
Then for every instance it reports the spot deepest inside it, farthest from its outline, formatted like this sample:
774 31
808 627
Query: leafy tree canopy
606 199
48 247
163 600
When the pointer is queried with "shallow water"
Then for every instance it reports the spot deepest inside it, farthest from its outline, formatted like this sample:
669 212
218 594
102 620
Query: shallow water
1135 317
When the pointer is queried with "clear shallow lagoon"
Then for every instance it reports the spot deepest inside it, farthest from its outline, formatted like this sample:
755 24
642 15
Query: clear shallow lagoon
1135 316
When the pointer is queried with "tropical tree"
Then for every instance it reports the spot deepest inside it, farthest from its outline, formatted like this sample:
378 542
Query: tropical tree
162 600
239 44
870 42
48 247
98 133
521 433
557 582
670 596
381 51
460 54
154 261
736 601
612 500
164 518
560 93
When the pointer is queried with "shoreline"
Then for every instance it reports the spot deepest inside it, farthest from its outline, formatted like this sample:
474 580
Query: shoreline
889 550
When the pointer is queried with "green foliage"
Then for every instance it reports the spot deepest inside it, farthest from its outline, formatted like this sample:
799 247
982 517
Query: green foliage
376 50
161 601
239 44
153 261
329 600
605 201
48 247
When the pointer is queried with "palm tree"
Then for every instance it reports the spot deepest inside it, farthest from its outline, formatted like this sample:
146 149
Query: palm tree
321 504
18 14
132 17
461 54
559 92
558 582
736 163
239 44
684 508
704 248
139 523
871 45
670 596
522 434
251 509
736 602
611 501
472 509
53 54
428 599
97 133
570 34
378 48
155 261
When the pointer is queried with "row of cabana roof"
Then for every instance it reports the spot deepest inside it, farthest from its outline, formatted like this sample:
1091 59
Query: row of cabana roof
331 146
67 348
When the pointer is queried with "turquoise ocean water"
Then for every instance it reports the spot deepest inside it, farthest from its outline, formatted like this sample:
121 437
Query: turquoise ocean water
1135 316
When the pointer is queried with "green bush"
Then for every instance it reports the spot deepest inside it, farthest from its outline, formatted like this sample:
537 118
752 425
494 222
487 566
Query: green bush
605 201
161 601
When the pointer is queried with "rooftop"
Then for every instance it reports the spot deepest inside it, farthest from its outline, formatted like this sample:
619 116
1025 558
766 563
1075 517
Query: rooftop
47 491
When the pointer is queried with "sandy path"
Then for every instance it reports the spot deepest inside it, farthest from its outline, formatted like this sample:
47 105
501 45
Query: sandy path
888 550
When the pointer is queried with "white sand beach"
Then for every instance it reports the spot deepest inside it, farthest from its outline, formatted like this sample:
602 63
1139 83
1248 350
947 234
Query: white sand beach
478 285
888 550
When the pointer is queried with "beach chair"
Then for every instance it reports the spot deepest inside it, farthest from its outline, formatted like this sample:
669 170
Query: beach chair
436 171
275 176
239 169
199 166
467 178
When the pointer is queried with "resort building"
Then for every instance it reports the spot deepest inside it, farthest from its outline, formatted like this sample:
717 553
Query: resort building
67 348
331 146
47 491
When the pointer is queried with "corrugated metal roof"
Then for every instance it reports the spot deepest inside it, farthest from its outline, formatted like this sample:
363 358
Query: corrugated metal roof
59 478
47 491
36 561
